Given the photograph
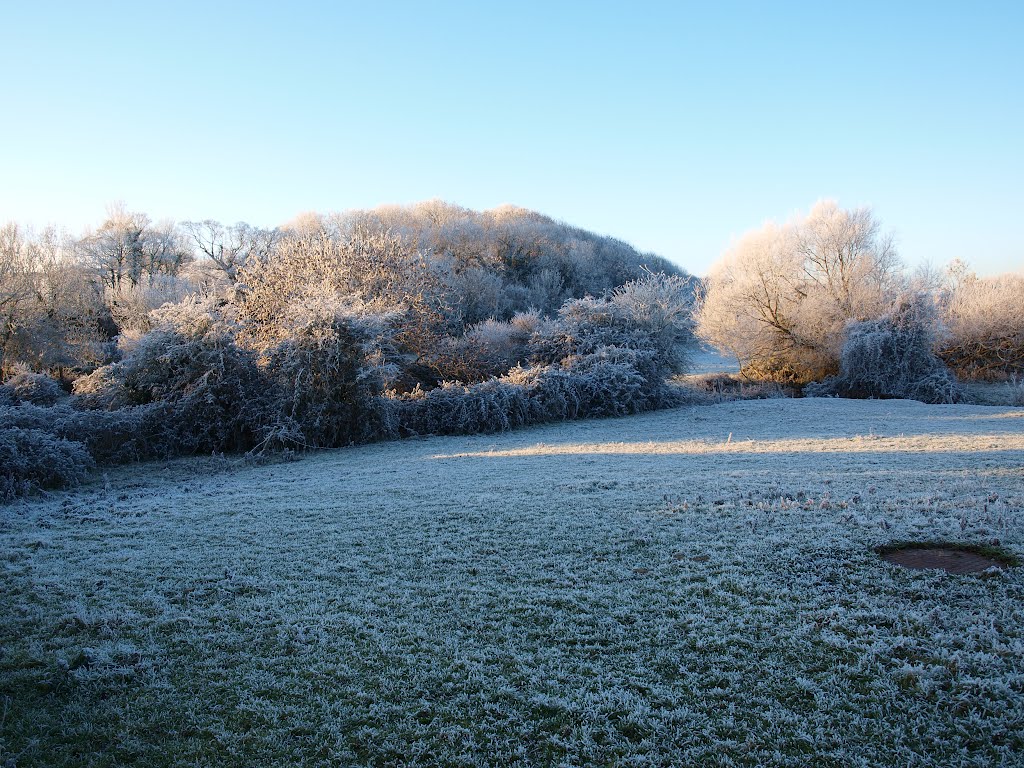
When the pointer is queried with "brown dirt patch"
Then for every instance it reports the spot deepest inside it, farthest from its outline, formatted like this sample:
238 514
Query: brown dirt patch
949 559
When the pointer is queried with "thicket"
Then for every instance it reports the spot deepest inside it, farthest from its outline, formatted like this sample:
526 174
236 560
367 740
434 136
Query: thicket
983 322
141 339
334 330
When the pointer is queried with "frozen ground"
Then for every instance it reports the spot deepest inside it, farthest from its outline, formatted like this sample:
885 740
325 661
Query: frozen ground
690 587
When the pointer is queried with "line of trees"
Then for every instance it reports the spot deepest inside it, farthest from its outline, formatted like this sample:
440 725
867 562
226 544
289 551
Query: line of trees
64 301
138 340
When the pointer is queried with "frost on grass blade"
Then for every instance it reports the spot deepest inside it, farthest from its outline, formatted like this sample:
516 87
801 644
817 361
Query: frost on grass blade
635 592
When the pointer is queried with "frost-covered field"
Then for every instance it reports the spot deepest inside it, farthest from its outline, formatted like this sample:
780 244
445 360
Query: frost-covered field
707 360
681 588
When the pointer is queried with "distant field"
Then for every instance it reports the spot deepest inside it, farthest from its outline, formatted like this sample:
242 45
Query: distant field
706 360
689 587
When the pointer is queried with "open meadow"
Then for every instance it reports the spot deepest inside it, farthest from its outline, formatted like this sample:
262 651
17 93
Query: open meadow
512 385
685 587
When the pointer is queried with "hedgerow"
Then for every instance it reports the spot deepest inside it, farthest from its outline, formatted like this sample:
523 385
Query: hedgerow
263 369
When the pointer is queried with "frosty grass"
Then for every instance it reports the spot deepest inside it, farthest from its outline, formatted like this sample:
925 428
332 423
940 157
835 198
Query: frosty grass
688 587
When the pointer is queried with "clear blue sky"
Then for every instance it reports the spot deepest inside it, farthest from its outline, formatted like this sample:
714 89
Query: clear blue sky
674 126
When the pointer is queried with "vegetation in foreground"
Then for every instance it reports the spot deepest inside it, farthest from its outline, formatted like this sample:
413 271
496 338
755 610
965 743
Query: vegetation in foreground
687 587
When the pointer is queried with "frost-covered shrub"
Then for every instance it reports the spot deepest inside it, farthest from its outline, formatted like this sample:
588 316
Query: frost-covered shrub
660 306
31 459
644 325
984 326
491 348
214 395
602 384
583 389
36 388
104 389
600 357
319 264
456 409
723 387
111 437
330 371
131 305
121 436
893 357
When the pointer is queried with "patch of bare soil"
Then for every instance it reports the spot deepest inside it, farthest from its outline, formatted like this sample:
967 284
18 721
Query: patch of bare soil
951 559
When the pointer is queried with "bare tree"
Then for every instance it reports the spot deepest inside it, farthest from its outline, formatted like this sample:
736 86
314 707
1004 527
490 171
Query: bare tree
166 251
848 259
230 248
15 285
128 249
114 251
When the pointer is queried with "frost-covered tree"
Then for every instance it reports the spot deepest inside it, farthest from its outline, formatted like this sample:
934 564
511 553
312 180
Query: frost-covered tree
15 286
319 262
128 249
779 301
229 248
506 260
52 316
